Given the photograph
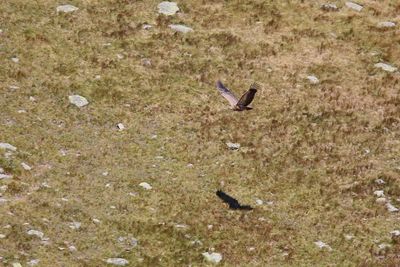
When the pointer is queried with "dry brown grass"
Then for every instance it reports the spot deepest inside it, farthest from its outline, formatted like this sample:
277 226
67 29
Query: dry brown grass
304 146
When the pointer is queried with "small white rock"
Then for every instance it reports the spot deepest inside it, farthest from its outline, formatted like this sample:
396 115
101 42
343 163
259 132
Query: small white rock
386 24
66 8
15 59
78 100
259 202
348 237
2 236
33 262
1 170
146 62
233 146
117 261
97 221
322 245
181 226
120 126
329 7
153 136
391 208
120 56
385 67
5 176
212 257
313 79
354 6
380 181
379 193
31 98
180 28
146 26
36 233
381 200
13 87
26 166
168 8
75 225
395 233
145 185
7 146
16 264
72 248
384 246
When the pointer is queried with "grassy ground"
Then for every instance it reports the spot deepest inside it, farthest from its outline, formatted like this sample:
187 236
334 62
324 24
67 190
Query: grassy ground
315 151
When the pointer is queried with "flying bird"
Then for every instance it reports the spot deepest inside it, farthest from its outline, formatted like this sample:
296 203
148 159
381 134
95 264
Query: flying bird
245 99
233 203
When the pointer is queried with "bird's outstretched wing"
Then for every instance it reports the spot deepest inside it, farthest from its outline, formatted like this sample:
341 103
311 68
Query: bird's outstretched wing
233 203
225 92
248 97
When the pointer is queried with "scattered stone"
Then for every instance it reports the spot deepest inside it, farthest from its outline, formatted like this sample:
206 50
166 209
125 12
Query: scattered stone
72 248
16 264
349 237
381 200
78 100
5 176
181 226
127 242
2 236
33 262
354 6
36 233
379 193
233 146
210 226
212 257
146 62
31 98
380 181
384 246
120 126
168 8
117 261
146 26
196 242
329 7
391 208
385 67
13 87
7 146
96 221
259 202
21 111
120 56
323 245
180 28
395 233
26 166
313 79
1 170
75 225
66 8
190 165
386 24
154 136
15 59
145 185
251 249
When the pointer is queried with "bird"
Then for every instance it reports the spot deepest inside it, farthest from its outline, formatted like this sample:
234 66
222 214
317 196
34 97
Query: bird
245 99
233 203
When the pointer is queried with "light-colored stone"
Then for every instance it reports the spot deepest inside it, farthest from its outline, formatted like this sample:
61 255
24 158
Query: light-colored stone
322 245
66 8
168 8
78 100
386 24
1 170
16 264
36 233
329 7
7 146
395 233
145 185
233 146
259 202
117 261
75 225
381 200
146 26
313 79
212 257
33 262
180 28
379 193
15 59
385 67
5 176
120 126
391 208
380 181
349 237
2 236
26 166
354 6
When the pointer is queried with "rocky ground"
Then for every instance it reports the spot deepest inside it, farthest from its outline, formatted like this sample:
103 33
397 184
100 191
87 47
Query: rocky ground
114 140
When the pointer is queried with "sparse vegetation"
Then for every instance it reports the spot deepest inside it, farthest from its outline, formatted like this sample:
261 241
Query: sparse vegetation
314 150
